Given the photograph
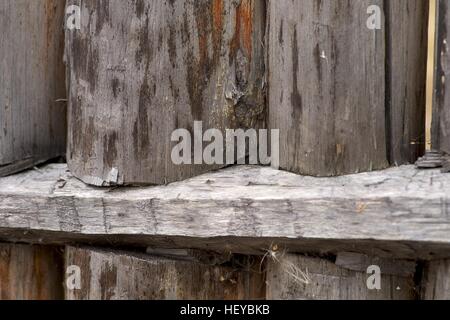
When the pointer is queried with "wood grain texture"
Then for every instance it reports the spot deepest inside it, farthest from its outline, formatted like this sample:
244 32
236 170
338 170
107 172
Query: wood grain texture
327 281
327 86
32 77
347 99
114 275
436 281
30 272
406 67
402 211
441 109
360 262
139 69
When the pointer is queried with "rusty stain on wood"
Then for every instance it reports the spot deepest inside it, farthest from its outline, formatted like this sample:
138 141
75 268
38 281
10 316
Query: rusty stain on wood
243 35
30 272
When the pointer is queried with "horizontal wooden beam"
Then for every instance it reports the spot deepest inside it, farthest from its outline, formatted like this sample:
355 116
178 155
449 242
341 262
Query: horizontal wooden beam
400 212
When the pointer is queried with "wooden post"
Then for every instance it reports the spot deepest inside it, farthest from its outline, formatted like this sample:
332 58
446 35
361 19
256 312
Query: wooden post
299 277
32 77
139 71
441 108
327 86
436 280
30 272
346 98
406 67
114 275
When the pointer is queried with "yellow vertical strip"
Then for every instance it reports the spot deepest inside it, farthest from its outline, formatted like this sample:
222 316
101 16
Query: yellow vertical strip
430 71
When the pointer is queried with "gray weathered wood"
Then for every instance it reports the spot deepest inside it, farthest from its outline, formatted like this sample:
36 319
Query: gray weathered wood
114 275
441 109
32 78
327 86
398 212
436 280
30 272
298 277
346 98
141 69
406 68
360 262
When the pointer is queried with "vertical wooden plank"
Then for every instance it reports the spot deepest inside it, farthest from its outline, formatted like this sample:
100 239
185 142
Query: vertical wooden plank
30 272
441 108
111 275
327 86
32 77
436 280
431 65
141 69
406 63
299 277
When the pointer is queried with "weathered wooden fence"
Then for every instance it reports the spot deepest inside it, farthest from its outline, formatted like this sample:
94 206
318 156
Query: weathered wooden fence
330 78
347 97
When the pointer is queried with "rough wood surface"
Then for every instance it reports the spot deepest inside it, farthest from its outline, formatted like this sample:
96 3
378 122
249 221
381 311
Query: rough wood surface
327 281
30 272
32 77
359 262
141 69
113 275
399 211
441 109
406 58
436 280
327 86
346 98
